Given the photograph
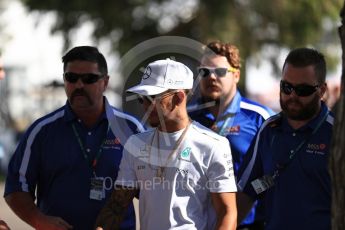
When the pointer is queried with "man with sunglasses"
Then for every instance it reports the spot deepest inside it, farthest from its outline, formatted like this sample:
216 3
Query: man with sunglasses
287 164
223 109
182 169
69 158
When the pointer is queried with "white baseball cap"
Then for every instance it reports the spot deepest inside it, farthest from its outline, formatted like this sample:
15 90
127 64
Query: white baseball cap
162 75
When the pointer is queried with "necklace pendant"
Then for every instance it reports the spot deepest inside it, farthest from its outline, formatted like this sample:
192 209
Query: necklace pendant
160 173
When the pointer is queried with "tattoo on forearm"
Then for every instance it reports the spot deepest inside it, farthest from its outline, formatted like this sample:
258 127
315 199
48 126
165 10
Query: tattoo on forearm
113 212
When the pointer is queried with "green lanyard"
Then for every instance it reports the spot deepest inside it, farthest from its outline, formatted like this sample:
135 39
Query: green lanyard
94 162
293 152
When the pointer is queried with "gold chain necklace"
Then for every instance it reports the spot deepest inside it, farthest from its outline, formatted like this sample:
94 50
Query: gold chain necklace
160 171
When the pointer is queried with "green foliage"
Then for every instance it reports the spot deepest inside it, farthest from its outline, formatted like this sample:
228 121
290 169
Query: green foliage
250 24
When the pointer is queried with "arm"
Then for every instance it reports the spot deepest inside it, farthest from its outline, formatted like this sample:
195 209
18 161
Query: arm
114 210
244 204
24 207
3 225
225 206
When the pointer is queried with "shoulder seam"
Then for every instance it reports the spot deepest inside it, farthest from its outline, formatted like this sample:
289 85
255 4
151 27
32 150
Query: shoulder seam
128 117
259 109
30 139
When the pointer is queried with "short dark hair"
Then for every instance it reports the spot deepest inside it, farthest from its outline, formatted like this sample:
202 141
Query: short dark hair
302 57
86 53
227 50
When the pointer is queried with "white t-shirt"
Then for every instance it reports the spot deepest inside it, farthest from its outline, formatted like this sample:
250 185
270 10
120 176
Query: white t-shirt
181 198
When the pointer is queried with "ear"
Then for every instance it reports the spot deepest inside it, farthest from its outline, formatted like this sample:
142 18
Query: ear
323 89
237 75
106 82
179 97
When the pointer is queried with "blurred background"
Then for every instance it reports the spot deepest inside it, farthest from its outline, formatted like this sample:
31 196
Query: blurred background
34 34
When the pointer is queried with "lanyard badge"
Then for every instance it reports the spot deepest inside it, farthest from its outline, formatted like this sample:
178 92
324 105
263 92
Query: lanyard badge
262 184
97 191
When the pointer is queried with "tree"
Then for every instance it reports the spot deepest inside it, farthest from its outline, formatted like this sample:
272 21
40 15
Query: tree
6 120
251 25
337 160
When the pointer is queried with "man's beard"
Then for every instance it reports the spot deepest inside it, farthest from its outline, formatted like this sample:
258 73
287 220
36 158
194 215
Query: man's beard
303 112
209 99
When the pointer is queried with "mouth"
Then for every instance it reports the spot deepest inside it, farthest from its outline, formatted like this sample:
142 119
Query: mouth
294 103
212 86
78 95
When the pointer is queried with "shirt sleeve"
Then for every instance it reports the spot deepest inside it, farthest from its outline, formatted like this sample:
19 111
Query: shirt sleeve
127 175
23 169
220 172
251 169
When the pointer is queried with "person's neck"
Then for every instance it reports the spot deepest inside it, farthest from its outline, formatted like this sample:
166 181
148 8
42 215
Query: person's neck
89 117
221 106
175 124
296 124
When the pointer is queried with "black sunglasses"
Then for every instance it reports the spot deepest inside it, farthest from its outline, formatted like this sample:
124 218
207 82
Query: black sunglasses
302 90
219 72
86 78
150 99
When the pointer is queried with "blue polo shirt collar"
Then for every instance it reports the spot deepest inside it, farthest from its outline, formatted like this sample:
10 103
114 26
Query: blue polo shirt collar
70 115
233 108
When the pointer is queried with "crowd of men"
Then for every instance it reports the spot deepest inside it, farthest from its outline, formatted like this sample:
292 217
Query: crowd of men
221 161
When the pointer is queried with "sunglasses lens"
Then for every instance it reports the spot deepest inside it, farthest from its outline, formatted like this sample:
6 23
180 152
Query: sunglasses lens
300 90
286 88
305 90
71 77
220 72
88 78
204 72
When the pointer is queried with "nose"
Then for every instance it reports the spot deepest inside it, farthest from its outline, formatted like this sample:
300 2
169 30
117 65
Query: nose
212 75
79 83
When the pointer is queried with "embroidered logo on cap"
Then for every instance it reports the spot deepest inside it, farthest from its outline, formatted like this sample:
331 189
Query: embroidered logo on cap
147 73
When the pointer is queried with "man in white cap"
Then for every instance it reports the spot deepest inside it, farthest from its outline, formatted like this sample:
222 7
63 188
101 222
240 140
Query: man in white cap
183 170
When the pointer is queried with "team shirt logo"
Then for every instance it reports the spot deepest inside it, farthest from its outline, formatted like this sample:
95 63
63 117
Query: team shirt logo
185 154
316 149
112 144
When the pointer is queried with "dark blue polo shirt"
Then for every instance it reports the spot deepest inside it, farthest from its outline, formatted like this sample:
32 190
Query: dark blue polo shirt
50 165
239 124
301 196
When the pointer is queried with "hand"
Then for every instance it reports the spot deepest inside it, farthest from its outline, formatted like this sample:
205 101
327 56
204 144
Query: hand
52 223
3 225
